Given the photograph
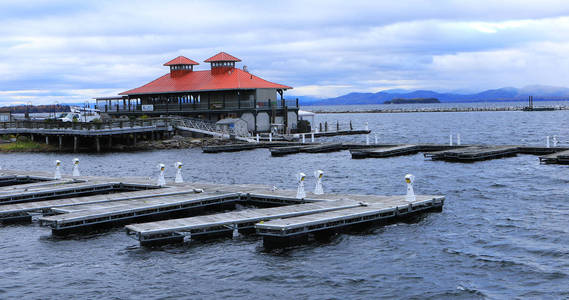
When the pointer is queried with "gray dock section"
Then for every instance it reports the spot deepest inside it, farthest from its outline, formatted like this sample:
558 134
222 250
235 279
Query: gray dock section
474 153
148 232
129 209
561 158
373 211
42 206
385 151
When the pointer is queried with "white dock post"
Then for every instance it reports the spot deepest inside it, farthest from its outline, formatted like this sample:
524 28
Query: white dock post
303 138
300 193
366 126
547 141
179 178
375 136
235 232
270 136
57 174
312 137
555 141
410 193
257 138
76 167
458 139
161 180
367 139
450 139
318 189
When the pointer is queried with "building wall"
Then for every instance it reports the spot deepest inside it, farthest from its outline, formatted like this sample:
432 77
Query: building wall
292 120
266 94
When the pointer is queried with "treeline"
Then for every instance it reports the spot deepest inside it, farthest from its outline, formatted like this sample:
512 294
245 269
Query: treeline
412 101
22 109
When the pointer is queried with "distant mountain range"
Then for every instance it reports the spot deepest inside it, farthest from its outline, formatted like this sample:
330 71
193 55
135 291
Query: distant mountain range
540 92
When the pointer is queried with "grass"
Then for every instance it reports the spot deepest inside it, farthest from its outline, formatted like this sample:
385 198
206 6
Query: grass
24 146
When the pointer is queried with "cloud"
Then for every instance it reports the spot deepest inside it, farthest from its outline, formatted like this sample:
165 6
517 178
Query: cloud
322 48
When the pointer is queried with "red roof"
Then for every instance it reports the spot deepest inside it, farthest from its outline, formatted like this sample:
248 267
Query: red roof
181 60
222 56
205 81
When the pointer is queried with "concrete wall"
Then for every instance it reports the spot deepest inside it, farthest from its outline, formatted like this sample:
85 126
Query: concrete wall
263 122
250 119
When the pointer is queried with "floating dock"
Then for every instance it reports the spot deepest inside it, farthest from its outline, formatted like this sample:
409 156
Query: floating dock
385 151
561 158
288 231
186 210
313 148
474 153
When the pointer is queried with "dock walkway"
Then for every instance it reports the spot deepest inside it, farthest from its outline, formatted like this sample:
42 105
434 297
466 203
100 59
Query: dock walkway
72 205
474 153
150 233
561 158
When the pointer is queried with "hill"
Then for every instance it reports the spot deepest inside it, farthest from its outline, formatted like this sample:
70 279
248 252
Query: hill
503 94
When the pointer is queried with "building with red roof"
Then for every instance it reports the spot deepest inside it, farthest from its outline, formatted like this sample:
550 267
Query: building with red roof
223 91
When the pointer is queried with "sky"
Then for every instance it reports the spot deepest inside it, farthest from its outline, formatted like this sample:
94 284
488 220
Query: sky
72 51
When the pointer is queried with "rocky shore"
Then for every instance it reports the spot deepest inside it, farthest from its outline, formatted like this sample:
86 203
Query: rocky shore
23 144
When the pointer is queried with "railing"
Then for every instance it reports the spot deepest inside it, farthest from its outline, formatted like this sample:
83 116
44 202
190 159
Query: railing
201 125
57 124
336 126
200 106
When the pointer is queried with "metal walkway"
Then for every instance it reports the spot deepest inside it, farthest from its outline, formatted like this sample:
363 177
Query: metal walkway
206 128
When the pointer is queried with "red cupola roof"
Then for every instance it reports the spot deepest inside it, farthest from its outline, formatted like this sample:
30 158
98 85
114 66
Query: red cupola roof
222 56
181 60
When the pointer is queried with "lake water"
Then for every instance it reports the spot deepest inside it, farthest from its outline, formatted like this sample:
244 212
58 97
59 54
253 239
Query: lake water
503 233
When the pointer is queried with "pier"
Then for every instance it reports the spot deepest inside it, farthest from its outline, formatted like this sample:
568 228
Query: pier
193 210
101 134
443 152
556 158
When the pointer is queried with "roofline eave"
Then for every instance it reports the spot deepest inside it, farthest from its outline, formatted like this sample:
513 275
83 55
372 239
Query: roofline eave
198 91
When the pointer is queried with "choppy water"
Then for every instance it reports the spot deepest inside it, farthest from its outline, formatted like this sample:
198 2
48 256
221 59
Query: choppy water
504 231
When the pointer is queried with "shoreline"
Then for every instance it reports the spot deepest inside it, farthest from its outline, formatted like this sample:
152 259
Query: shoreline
454 109
176 142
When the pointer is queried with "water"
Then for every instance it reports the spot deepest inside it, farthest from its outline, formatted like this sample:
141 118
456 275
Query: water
442 105
504 231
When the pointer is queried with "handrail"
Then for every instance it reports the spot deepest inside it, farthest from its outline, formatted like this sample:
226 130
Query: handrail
57 124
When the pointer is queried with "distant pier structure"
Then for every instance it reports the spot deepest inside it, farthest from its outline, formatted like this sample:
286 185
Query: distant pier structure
223 91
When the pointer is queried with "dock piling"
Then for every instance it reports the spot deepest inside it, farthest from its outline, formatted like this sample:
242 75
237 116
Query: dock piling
300 193
367 139
303 138
312 137
450 139
98 142
458 139
179 178
76 167
375 136
318 189
547 141
57 174
410 196
161 180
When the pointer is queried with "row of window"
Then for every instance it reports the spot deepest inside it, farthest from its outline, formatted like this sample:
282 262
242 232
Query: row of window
223 64
181 67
